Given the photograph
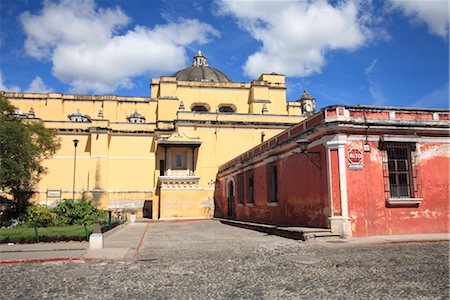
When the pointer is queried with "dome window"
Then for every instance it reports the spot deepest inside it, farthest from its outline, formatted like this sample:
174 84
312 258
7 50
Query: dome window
227 108
199 107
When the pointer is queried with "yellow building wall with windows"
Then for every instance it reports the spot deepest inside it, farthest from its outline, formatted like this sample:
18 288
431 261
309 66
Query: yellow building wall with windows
126 157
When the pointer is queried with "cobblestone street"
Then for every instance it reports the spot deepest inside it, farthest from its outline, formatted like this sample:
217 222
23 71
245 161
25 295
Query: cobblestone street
209 260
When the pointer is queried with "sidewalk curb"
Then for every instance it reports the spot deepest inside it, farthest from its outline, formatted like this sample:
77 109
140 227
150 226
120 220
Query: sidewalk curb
45 260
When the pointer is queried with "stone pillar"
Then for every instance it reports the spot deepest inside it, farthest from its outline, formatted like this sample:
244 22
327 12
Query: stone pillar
338 223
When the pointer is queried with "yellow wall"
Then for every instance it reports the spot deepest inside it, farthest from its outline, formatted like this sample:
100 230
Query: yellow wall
117 163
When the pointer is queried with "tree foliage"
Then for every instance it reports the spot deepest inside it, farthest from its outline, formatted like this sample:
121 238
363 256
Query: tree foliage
24 144
39 214
70 212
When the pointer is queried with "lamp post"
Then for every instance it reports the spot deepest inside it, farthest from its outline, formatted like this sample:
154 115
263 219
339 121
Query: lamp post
75 144
314 157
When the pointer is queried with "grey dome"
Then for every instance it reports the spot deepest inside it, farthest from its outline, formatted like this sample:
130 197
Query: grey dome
200 71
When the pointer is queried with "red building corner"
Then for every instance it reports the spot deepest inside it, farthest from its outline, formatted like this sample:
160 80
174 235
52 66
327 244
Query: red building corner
358 170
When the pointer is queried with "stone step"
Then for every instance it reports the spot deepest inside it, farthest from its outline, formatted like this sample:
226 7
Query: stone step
297 233
322 235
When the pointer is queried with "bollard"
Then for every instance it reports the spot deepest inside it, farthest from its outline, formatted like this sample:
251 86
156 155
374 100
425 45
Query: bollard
96 238
86 232
36 236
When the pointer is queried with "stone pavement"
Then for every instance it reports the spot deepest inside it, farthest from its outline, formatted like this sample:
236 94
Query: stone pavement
210 260
123 244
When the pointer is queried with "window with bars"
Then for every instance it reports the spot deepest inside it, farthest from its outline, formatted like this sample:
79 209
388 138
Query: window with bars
273 183
240 182
400 170
250 192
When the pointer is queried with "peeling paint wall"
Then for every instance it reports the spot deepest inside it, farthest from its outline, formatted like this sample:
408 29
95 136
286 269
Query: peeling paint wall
302 193
371 215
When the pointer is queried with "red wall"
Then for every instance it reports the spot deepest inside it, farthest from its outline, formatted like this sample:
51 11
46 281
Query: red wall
368 211
302 193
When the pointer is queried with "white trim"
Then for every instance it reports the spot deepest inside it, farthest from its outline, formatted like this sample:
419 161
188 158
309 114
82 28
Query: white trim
391 114
335 141
413 139
399 138
106 156
131 158
330 183
185 218
273 203
404 201
134 136
343 181
180 188
100 191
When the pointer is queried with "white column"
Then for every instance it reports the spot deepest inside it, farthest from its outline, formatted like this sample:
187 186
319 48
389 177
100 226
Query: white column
188 161
343 180
169 161
330 183
340 223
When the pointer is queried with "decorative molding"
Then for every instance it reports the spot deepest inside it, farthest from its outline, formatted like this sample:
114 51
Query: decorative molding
125 204
179 182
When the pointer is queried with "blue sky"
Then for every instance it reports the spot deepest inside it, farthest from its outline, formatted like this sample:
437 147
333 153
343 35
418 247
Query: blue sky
343 52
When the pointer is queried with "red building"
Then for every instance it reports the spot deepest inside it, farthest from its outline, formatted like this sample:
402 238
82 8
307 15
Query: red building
359 170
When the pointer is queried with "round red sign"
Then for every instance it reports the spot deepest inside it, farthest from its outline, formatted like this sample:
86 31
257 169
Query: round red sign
355 156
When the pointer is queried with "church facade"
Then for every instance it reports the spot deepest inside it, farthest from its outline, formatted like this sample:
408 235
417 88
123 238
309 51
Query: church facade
158 156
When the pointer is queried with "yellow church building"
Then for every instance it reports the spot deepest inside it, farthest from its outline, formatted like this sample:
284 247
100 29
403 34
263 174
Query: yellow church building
158 156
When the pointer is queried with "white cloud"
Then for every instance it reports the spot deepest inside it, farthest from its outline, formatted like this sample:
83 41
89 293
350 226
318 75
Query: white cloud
198 6
38 86
296 35
434 13
5 88
375 89
90 54
439 97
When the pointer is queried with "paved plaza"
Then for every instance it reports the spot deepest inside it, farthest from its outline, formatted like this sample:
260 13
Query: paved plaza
210 260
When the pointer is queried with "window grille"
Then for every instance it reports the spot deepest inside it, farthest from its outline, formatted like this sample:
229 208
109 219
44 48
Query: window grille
240 181
273 184
400 170
251 196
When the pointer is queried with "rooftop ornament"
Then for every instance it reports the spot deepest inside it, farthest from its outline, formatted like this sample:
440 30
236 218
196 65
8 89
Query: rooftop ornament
308 103
79 117
200 60
264 109
136 118
181 107
31 113
100 113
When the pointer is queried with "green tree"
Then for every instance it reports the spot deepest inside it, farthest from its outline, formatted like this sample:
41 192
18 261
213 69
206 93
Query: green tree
24 144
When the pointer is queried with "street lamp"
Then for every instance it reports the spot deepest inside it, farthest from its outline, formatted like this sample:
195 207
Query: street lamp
75 144
314 157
